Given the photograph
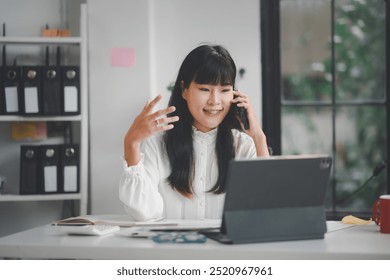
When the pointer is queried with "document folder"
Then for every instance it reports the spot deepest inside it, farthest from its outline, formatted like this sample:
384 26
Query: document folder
11 87
71 90
50 157
2 97
32 90
51 90
29 169
70 166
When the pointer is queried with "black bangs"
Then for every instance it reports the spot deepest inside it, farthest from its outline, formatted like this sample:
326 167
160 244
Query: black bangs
215 70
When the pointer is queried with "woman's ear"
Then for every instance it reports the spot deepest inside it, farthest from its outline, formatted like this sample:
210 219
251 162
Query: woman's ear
183 90
184 94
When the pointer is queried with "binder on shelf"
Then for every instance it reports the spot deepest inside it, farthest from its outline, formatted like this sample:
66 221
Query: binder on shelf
71 90
70 168
2 101
32 90
51 88
10 92
30 180
11 89
2 95
49 168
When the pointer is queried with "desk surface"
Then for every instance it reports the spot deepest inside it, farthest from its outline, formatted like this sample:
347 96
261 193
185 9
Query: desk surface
48 242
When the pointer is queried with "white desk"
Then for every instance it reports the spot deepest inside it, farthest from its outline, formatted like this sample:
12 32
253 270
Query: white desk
48 242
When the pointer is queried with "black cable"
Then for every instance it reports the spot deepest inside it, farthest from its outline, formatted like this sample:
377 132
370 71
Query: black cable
377 170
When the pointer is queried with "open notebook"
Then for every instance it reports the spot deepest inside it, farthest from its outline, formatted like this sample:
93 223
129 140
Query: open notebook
109 219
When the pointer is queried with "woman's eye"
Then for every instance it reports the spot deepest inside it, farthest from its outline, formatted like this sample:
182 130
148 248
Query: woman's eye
226 90
204 89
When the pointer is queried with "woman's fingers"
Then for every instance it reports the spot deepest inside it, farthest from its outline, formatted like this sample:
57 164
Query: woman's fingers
239 94
163 112
168 120
165 127
149 122
158 121
239 98
151 104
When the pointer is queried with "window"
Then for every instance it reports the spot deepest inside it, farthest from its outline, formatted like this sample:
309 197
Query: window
324 91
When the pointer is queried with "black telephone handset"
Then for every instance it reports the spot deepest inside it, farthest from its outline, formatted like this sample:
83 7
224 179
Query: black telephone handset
241 112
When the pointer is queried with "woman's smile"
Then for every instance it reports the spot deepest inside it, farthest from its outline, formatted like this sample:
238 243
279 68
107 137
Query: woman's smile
212 112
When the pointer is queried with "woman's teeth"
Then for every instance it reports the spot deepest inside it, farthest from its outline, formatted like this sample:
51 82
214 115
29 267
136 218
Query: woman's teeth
212 112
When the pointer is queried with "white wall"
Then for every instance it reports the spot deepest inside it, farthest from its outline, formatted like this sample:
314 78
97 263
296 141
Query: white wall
162 32
116 94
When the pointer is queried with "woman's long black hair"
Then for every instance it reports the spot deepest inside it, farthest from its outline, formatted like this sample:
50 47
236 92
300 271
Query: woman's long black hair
204 65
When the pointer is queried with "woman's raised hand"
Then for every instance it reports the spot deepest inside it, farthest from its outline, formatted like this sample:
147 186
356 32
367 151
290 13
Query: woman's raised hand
145 125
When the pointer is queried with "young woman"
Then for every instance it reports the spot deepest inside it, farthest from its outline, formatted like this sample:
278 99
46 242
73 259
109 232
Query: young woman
176 159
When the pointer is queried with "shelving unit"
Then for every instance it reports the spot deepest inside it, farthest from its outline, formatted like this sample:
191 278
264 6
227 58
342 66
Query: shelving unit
82 119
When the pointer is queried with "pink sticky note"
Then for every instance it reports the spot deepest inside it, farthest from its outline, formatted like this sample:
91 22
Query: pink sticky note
122 57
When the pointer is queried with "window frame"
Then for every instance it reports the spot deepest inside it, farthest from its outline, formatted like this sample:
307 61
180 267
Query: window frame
271 88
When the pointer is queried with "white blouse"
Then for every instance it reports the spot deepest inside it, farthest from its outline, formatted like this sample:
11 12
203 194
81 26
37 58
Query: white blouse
146 193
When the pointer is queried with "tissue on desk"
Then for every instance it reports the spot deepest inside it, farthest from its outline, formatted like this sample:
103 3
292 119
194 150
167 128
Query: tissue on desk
355 221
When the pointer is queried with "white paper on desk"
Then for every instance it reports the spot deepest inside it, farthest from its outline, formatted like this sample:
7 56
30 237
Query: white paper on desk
171 225
336 225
